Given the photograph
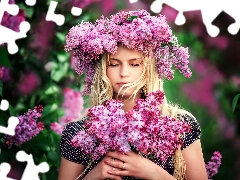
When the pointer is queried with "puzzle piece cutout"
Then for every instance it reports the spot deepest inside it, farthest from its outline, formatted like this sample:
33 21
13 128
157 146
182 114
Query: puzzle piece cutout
30 2
133 1
4 170
76 11
4 105
51 16
59 18
7 35
12 121
31 171
209 9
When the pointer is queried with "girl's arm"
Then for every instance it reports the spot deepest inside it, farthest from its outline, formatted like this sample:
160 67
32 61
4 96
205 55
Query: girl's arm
69 170
195 164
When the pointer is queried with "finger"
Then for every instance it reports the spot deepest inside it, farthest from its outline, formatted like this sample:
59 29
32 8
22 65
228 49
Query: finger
129 153
115 169
118 173
111 159
117 155
112 176
117 164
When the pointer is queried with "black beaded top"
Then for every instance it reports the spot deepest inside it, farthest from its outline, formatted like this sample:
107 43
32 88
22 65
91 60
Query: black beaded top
75 155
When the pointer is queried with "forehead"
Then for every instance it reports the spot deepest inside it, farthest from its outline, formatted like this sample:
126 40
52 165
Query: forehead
124 53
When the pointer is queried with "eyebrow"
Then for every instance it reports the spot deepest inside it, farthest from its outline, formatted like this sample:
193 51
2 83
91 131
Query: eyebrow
128 59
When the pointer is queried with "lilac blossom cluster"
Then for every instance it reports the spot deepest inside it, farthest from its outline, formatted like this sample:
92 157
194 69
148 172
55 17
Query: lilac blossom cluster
213 165
28 82
4 73
144 128
136 30
56 127
150 132
81 3
106 130
13 22
73 106
27 127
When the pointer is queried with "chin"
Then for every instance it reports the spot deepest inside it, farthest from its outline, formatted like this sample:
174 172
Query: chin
123 95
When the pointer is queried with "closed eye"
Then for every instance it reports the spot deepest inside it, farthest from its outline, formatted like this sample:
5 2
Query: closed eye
112 64
135 64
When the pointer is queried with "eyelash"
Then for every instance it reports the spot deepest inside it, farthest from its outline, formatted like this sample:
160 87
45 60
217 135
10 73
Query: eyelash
134 65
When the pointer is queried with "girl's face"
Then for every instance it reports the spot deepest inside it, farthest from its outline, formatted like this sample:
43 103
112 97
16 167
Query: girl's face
126 66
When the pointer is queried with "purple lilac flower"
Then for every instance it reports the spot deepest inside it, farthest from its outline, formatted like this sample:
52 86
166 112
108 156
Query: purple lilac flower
4 73
152 133
29 82
13 22
56 127
42 37
106 126
72 104
213 165
27 127
144 127
81 3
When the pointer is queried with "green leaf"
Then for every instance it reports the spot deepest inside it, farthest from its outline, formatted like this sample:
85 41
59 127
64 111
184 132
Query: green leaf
235 101
28 10
51 90
63 57
53 156
54 139
3 118
1 87
3 154
4 58
43 158
44 177
49 109
132 18
11 111
57 75
61 36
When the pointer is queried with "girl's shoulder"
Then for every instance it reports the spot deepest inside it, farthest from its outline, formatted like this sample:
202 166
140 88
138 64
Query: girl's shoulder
68 151
187 117
75 126
195 132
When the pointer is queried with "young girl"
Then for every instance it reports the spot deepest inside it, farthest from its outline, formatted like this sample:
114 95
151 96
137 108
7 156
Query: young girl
126 57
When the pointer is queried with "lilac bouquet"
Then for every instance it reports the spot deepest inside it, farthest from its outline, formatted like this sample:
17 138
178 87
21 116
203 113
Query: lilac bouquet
144 128
150 132
106 130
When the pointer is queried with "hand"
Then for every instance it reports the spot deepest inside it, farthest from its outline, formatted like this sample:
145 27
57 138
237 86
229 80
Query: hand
100 172
131 164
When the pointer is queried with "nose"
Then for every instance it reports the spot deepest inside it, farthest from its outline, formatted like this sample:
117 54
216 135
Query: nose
124 70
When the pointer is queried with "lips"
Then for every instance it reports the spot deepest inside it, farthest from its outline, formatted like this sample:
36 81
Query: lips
121 84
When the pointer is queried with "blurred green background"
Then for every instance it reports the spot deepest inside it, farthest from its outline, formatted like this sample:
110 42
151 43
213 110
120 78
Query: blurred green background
41 73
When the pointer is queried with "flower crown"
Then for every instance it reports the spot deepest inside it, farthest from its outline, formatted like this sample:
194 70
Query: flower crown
136 30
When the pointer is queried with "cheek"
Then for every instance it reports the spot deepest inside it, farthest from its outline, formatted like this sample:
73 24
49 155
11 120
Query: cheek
110 74
137 73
